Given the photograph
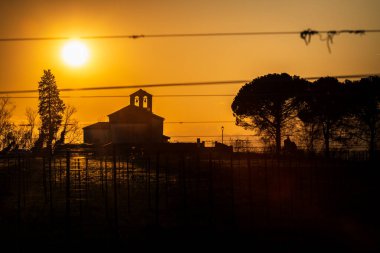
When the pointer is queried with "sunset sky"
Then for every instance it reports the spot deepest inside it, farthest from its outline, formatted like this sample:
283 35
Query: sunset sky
186 59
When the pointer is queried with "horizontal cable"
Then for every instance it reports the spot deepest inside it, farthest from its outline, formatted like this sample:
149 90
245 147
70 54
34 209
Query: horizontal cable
127 96
140 36
303 34
134 86
197 122
204 136
171 84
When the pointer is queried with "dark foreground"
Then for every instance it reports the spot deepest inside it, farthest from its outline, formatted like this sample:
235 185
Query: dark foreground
182 202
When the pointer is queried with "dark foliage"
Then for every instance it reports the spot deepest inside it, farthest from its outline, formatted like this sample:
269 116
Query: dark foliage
268 104
50 109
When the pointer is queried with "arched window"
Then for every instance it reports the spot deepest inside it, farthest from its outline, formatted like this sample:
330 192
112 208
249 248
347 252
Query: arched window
137 101
145 102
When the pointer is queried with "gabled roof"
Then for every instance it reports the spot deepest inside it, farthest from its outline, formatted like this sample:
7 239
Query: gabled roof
98 125
134 111
140 92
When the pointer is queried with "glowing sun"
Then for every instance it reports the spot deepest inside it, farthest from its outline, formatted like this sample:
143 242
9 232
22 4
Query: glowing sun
75 53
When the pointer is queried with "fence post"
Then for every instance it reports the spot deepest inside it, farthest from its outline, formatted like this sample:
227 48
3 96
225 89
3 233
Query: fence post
115 191
210 189
79 188
157 202
128 188
68 219
44 178
148 179
250 189
50 191
19 195
87 184
166 182
101 174
184 186
232 191
106 188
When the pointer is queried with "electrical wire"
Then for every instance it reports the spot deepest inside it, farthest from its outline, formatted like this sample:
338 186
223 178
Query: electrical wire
304 34
198 122
205 136
160 85
127 96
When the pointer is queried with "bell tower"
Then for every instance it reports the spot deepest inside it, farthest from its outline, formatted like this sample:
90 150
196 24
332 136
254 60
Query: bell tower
141 99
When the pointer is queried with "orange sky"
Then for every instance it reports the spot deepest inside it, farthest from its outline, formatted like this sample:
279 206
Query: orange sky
171 60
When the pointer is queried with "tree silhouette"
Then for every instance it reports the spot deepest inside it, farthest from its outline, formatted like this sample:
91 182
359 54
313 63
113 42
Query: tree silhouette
70 126
31 119
268 104
50 109
6 126
365 99
325 106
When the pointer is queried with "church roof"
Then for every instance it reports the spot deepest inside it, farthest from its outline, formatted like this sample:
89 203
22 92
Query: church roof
133 113
140 92
98 125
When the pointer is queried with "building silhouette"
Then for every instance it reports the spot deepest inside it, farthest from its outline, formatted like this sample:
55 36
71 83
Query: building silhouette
134 124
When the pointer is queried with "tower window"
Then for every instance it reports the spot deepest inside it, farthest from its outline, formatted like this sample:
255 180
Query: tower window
145 102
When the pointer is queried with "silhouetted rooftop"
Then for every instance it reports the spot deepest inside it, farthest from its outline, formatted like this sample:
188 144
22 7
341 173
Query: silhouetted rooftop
99 125
141 92
132 110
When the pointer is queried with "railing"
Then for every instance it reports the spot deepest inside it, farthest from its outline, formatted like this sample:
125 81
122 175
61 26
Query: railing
82 195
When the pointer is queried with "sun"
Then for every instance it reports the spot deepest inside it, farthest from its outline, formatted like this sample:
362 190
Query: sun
75 53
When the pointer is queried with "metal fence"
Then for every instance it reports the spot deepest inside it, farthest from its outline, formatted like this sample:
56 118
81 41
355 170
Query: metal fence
124 197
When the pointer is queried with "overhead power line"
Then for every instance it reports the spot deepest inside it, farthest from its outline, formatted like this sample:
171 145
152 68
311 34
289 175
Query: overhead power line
143 36
199 122
127 96
205 136
160 85
136 86
168 122
305 34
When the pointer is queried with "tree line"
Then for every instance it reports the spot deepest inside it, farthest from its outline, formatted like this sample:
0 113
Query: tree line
316 114
47 127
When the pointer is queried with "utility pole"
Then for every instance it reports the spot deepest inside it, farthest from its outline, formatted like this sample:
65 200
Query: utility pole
222 133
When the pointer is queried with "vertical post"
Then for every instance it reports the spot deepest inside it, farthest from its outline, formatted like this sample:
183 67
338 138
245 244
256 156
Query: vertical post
184 186
19 195
79 188
128 189
115 192
25 170
232 191
106 189
198 175
157 188
210 189
87 184
149 197
68 225
132 167
44 178
60 171
266 190
101 173
54 171
166 182
50 191
222 133
127 166
250 188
